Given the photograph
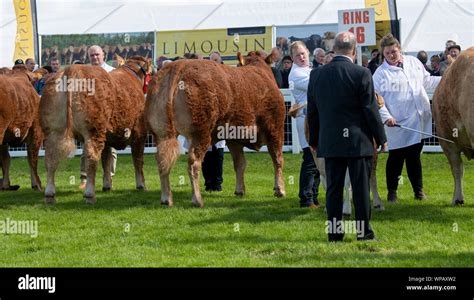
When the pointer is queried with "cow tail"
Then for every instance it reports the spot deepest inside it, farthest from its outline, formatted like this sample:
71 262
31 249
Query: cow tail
69 144
168 148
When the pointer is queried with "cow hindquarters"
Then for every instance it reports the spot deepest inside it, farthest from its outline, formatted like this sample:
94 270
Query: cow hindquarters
167 152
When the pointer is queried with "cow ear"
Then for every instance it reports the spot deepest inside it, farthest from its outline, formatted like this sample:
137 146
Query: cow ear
119 59
269 58
240 59
150 65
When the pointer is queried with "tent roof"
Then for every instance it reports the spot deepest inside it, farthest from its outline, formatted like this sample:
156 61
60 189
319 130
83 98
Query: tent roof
424 25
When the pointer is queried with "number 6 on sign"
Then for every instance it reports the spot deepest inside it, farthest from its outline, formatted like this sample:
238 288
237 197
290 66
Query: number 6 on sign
359 33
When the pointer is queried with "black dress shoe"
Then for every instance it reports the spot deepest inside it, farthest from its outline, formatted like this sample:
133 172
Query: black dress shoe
392 196
368 237
420 195
335 237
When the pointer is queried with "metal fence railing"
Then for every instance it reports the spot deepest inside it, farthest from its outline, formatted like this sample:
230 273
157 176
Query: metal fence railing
291 143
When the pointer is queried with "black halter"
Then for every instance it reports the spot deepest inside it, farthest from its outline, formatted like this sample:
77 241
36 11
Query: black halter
136 72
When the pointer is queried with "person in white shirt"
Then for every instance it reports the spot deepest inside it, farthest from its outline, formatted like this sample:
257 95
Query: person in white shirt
298 83
96 57
402 81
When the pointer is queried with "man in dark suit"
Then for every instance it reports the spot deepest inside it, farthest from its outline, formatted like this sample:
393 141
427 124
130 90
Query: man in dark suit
343 122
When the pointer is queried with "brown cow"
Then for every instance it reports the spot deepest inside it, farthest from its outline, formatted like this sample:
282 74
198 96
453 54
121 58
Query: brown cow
110 116
453 112
19 122
197 98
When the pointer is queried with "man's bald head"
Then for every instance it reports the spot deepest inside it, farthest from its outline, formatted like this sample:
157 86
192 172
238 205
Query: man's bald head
96 55
345 43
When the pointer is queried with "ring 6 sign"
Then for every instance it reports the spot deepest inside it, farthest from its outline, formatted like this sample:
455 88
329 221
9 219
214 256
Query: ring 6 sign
361 22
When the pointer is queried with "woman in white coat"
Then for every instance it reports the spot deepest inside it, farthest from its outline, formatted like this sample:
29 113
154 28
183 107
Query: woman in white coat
298 80
402 82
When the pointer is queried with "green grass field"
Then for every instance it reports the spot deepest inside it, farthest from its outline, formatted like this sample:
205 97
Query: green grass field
127 228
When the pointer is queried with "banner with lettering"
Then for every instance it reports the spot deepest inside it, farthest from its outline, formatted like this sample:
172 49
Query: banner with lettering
226 41
26 43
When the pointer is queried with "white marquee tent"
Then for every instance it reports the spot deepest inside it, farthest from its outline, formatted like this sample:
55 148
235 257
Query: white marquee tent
425 24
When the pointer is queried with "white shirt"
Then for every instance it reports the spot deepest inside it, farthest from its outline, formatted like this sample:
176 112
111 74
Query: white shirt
298 80
107 67
406 100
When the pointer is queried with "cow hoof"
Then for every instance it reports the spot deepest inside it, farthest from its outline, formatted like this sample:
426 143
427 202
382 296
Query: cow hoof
49 200
240 194
458 202
198 205
379 208
106 189
167 203
36 188
279 194
346 215
142 188
90 200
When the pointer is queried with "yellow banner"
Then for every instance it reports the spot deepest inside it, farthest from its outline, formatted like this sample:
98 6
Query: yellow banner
227 42
24 42
381 9
382 17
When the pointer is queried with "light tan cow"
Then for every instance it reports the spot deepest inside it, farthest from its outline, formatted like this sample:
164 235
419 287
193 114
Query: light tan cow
453 112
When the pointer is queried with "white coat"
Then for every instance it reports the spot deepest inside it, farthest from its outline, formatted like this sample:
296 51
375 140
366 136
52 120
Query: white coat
406 100
298 81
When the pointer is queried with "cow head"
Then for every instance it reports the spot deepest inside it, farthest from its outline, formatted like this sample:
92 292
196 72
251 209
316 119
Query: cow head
256 57
140 65
5 71
32 76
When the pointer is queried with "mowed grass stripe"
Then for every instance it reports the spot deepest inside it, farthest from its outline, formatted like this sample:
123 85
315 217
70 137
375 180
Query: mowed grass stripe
128 228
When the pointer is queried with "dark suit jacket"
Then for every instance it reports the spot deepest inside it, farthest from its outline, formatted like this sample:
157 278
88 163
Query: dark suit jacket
343 114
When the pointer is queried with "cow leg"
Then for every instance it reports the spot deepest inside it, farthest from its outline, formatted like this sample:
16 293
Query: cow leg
240 163
52 158
347 207
197 150
138 149
457 169
167 152
33 146
93 149
373 184
275 150
5 158
106 167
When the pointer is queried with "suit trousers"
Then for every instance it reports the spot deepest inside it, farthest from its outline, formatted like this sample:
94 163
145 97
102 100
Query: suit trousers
359 172
212 167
